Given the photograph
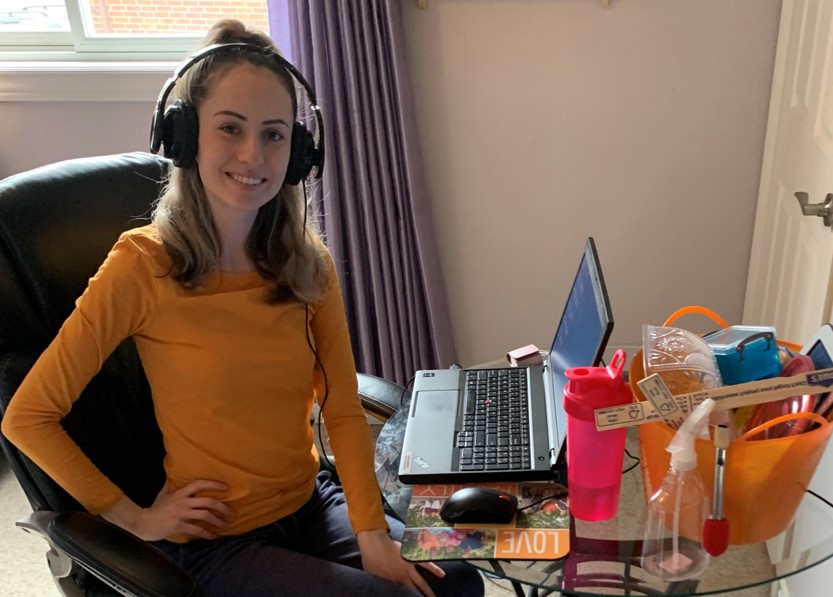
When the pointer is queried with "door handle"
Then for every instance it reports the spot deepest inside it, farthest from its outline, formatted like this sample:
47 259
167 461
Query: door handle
822 210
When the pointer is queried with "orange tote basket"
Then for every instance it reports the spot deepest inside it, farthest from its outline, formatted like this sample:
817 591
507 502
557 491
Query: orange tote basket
765 480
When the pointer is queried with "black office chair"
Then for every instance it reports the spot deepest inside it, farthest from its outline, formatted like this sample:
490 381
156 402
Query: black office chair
57 223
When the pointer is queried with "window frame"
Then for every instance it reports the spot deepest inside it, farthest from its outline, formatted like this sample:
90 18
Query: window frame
77 45
58 67
83 81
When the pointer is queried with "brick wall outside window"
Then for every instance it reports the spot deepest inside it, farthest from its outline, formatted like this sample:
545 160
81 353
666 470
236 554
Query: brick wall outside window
173 16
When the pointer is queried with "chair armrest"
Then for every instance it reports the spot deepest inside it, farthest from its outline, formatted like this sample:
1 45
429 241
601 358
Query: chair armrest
380 397
119 559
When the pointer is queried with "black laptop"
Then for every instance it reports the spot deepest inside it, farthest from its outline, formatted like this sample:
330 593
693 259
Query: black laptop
473 425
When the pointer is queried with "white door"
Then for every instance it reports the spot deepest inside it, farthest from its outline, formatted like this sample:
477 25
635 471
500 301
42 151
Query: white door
790 268
789 284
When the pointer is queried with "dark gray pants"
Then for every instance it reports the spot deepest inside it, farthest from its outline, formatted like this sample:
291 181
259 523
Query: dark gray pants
309 553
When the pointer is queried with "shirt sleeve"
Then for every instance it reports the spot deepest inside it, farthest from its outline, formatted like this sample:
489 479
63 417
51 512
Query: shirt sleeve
347 427
118 300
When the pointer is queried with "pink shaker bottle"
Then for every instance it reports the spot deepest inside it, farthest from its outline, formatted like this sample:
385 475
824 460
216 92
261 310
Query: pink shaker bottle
594 458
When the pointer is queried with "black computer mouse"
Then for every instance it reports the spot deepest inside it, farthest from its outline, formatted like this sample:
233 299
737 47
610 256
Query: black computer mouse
479 505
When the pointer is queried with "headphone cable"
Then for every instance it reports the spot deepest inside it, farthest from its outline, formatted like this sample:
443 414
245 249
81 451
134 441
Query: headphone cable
326 388
315 354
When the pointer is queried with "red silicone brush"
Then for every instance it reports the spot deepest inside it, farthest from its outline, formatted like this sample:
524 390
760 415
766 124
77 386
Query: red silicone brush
716 528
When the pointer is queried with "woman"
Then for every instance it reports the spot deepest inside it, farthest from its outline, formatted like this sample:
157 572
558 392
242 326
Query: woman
234 305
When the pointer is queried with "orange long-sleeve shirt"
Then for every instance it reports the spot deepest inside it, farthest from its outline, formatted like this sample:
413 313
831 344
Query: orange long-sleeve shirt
233 381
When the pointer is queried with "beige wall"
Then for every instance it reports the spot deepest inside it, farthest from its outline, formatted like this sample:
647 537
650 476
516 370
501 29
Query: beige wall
543 122
37 133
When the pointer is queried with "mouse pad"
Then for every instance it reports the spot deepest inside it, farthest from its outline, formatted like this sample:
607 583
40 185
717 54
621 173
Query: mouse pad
540 531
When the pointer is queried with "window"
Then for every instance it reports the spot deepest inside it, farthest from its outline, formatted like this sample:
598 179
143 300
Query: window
112 50
130 30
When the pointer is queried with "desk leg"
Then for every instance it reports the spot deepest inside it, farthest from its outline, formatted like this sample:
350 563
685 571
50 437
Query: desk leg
682 587
519 588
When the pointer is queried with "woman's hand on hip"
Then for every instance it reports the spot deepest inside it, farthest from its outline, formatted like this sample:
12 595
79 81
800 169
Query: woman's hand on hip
180 512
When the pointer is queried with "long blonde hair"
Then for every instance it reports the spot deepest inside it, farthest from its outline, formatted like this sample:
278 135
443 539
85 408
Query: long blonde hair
284 247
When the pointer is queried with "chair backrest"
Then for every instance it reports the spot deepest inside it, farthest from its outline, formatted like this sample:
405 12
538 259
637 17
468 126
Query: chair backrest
57 224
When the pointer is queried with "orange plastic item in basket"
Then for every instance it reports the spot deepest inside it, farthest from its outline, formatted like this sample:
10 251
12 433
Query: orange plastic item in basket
765 480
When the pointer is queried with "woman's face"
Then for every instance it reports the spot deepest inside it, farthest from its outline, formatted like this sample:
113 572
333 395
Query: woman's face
244 141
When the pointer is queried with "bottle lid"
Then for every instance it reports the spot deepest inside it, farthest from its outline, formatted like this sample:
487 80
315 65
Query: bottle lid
599 386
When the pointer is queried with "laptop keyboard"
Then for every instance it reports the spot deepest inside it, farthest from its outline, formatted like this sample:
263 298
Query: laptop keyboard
495 431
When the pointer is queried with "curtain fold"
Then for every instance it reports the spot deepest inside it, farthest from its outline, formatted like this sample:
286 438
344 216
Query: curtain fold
373 200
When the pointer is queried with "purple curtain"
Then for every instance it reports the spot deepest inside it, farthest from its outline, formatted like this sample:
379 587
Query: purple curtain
373 197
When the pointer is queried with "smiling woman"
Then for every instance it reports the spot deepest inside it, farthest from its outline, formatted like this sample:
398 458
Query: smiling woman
245 143
235 309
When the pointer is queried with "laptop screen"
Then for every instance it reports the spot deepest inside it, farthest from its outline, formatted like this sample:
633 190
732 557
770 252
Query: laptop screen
583 332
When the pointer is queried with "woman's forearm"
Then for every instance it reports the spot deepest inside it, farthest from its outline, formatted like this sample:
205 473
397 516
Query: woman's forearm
125 514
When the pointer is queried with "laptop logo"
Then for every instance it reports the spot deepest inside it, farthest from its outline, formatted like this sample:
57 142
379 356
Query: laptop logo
429 374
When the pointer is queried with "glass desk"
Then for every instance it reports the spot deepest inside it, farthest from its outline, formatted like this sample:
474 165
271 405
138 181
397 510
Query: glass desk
604 556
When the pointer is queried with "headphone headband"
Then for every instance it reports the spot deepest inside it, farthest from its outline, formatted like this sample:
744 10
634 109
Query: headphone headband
158 124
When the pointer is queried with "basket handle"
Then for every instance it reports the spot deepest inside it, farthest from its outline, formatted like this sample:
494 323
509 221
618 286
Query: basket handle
782 419
696 309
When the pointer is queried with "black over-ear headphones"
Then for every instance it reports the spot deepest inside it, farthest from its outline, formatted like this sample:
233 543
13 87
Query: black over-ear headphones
176 129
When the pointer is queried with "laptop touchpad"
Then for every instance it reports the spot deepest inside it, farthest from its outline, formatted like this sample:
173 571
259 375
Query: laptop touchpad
438 403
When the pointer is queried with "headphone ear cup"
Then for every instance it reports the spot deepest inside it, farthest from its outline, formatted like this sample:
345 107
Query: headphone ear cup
301 156
180 132
156 130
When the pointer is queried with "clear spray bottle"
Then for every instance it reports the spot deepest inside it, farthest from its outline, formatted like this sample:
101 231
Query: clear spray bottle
673 546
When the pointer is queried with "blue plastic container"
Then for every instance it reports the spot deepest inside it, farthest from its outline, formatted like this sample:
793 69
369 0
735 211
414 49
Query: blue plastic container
745 353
